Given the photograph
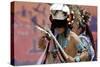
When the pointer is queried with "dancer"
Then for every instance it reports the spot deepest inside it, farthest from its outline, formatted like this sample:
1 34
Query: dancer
68 40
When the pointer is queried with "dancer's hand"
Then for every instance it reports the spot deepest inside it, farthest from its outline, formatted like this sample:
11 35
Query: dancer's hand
70 59
47 36
42 43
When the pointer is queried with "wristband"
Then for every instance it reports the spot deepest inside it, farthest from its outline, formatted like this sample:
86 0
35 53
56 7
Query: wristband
77 59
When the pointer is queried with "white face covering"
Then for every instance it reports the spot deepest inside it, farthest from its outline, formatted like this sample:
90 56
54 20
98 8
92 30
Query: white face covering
60 9
59 15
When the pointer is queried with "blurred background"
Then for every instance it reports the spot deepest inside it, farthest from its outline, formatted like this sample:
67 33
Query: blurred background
26 36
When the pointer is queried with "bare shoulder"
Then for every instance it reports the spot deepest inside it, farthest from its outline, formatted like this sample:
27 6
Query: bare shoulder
74 37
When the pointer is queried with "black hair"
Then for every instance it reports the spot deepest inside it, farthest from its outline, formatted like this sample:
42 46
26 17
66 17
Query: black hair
89 33
85 28
55 23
